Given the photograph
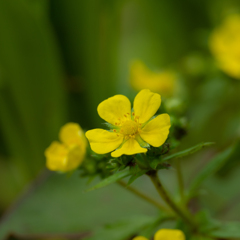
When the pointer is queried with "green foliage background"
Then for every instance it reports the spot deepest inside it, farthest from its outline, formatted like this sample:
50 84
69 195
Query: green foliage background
59 59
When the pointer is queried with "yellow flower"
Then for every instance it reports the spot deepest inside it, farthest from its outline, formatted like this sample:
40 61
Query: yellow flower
162 82
224 44
165 234
140 238
131 131
69 154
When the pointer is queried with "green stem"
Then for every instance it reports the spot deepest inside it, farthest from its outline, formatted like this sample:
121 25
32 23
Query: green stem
163 193
180 180
143 196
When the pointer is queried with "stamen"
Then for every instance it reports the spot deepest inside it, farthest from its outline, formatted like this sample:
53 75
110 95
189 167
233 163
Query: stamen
129 129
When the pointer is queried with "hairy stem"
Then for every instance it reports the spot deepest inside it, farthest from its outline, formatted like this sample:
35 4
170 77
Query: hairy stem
180 180
143 196
165 196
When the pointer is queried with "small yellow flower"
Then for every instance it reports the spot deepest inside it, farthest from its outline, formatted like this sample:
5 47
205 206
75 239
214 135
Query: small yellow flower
165 234
162 82
69 154
224 44
140 238
131 131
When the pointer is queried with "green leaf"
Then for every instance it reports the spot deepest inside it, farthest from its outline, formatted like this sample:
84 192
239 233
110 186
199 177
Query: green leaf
206 222
227 230
134 169
113 178
154 163
136 175
211 168
123 229
187 151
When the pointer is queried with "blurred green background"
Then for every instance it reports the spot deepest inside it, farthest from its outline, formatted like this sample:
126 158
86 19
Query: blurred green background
59 59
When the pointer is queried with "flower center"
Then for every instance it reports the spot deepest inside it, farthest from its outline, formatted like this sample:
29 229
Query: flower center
129 128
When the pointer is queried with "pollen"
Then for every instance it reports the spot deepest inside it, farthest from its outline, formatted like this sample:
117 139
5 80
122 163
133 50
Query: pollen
129 128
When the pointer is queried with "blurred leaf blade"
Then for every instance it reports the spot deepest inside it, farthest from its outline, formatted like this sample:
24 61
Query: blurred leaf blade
89 33
32 94
211 168
64 196
229 230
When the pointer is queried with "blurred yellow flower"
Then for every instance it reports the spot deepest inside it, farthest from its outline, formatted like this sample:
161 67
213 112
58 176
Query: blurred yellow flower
165 234
140 238
131 131
162 82
69 154
224 44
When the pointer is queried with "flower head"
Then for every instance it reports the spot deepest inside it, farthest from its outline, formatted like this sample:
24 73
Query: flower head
132 131
224 44
165 234
69 154
162 82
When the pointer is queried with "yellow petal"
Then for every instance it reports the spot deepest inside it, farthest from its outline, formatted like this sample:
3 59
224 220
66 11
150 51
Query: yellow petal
156 131
61 158
140 238
115 109
146 104
169 234
75 157
72 134
102 141
130 147
56 155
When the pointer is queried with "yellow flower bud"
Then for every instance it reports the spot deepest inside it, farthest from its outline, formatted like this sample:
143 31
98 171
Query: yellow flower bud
140 238
165 234
169 234
69 154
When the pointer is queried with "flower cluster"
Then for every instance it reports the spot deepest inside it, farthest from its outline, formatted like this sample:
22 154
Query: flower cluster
132 131
165 234
134 145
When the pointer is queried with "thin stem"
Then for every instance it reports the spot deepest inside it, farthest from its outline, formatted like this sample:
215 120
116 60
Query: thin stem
143 196
180 180
163 193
